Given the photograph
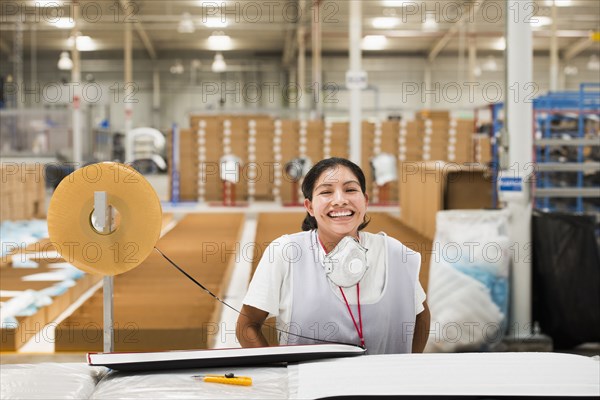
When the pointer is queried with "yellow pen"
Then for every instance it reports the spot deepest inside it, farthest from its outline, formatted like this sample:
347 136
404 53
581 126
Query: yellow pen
228 379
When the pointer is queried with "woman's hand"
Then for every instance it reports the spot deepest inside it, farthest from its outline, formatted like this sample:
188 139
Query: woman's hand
248 328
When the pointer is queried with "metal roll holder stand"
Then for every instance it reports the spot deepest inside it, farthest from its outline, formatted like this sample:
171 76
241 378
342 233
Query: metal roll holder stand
103 221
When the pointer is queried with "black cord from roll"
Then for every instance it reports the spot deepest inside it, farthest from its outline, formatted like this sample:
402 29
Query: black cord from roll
239 312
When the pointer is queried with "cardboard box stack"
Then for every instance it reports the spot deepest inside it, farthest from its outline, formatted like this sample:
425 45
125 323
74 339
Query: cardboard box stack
218 135
23 194
434 126
460 143
410 141
379 137
188 163
260 169
427 187
336 139
289 132
264 147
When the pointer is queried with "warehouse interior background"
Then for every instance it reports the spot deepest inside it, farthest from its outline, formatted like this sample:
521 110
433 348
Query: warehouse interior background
491 106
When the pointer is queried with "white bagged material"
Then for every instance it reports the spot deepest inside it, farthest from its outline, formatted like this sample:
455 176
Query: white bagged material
468 280
49 381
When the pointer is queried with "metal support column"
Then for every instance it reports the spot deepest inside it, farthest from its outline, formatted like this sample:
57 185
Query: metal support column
108 310
317 73
301 80
156 97
76 101
129 84
519 114
554 63
355 30
427 83
472 59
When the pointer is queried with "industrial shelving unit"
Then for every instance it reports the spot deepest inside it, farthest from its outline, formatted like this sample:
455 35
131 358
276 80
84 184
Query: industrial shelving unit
566 126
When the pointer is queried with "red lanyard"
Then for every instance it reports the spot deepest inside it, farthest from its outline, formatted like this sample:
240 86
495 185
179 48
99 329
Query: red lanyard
358 330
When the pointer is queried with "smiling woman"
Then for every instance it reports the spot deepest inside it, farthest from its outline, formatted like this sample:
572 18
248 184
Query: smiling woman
333 283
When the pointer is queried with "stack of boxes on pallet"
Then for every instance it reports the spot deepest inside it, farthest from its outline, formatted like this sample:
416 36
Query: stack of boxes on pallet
445 138
264 146
379 137
409 141
23 194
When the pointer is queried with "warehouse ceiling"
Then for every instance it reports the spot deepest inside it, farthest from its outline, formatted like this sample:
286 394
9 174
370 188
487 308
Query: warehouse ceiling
426 28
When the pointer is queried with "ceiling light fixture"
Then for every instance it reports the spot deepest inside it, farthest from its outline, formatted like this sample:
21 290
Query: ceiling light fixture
539 20
559 3
186 25
48 3
594 63
571 70
430 23
63 23
64 62
490 64
500 44
177 68
385 22
84 43
396 3
216 22
219 64
219 41
374 42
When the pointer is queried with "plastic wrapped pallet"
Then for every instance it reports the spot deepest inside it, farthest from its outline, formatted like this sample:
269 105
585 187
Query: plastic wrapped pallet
49 381
468 282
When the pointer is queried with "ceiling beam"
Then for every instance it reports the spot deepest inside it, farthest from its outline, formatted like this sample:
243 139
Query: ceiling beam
577 47
443 41
141 32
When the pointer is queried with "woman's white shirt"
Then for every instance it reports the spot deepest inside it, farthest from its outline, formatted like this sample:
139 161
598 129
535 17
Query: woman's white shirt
271 288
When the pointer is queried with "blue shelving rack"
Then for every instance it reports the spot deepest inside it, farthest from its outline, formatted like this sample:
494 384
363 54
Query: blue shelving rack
548 110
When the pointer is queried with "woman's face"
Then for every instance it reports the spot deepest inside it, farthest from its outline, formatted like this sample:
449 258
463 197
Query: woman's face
338 203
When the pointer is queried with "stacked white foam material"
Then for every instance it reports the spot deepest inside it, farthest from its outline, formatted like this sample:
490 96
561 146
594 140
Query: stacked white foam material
49 381
402 141
277 174
252 159
302 151
427 140
327 140
470 247
270 382
452 140
201 161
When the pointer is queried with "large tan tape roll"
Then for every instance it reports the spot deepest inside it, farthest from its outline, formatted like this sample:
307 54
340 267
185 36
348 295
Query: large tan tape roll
138 219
